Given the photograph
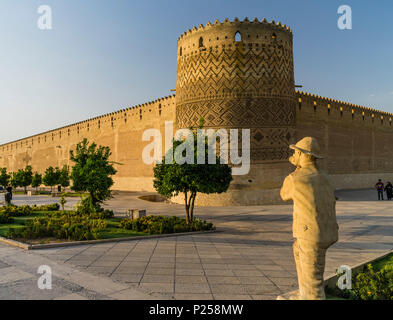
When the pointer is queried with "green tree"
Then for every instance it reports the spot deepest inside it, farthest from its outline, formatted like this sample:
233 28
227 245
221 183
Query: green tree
15 180
51 177
64 176
25 177
36 180
171 179
92 171
4 177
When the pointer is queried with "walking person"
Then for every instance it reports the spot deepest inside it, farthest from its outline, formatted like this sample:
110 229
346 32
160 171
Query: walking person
389 190
380 187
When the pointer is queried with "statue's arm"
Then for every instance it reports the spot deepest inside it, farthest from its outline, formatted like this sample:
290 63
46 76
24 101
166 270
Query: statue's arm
287 189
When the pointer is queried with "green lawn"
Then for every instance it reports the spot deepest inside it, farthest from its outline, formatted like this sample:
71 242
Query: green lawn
18 222
113 229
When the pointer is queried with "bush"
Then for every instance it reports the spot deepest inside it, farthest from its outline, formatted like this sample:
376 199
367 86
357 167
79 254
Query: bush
6 218
163 224
67 225
86 207
46 207
16 211
369 285
372 285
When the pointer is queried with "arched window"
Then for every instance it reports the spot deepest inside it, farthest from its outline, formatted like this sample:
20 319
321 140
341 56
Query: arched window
201 42
274 36
238 37
181 51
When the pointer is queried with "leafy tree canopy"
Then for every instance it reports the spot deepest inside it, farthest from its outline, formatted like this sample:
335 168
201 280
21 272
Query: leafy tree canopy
171 179
92 171
4 177
50 177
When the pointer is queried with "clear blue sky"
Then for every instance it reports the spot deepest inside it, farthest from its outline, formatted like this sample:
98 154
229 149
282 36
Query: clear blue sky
104 55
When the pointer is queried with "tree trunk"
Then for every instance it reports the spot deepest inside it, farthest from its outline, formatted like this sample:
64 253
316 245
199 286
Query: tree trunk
193 196
187 204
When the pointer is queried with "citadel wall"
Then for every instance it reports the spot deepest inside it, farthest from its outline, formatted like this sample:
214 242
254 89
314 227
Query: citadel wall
121 131
355 140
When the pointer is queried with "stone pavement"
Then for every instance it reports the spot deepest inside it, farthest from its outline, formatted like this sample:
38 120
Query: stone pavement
251 258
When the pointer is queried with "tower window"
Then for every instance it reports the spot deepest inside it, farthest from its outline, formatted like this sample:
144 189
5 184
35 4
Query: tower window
181 51
201 42
238 37
274 36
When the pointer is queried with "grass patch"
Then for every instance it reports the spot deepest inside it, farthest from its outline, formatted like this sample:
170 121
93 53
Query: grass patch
19 222
115 230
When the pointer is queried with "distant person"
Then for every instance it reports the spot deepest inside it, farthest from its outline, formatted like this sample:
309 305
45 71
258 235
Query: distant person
380 187
389 190
9 189
8 196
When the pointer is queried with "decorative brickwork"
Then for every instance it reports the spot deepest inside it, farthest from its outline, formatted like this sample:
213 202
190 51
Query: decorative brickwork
239 84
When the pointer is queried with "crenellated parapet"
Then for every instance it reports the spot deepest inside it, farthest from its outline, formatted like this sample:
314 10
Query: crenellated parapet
109 121
272 25
328 108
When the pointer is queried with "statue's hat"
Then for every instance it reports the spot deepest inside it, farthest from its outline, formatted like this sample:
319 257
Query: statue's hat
308 145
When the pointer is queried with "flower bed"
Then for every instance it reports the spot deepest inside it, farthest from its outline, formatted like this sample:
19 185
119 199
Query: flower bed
45 224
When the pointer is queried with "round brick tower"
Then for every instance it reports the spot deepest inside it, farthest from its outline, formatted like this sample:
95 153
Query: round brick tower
240 75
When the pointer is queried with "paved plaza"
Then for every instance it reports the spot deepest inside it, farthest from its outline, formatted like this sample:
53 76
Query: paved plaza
250 257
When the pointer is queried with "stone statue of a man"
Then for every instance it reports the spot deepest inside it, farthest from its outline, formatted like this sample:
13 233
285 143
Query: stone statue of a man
314 218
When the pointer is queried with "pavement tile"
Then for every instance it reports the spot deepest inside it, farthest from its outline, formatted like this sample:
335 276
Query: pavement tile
257 289
192 296
254 280
161 265
71 296
148 278
157 287
11 274
284 281
126 269
127 277
263 297
192 288
218 296
189 272
190 279
159 271
228 289
219 272
247 273
223 280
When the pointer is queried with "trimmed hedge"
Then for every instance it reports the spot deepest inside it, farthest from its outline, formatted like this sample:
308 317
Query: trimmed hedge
6 218
67 225
16 211
46 207
164 224
25 210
